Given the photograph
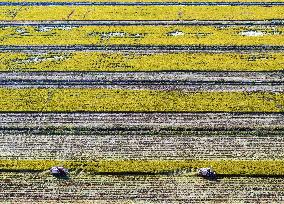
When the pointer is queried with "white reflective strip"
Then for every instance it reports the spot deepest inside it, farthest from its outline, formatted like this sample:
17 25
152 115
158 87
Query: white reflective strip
54 171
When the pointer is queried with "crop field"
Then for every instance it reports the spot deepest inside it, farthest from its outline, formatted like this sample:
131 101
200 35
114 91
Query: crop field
137 12
140 61
151 189
142 35
133 97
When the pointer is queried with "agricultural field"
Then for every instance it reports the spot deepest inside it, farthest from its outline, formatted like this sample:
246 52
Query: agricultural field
151 189
137 12
142 35
133 97
141 60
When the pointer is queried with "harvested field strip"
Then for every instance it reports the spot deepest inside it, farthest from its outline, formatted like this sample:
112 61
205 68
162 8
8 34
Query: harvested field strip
131 61
24 187
142 48
172 131
223 167
186 81
145 77
137 100
138 145
141 13
196 87
142 121
142 35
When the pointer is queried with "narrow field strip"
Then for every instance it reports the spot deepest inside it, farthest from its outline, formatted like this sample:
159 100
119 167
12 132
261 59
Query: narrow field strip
142 48
140 3
249 1
188 87
133 61
137 100
223 167
141 13
146 77
138 145
142 35
165 122
171 130
24 187
187 81
77 23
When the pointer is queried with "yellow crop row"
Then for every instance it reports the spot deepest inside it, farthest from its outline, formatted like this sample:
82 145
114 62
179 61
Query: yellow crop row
225 167
141 12
137 35
91 99
110 61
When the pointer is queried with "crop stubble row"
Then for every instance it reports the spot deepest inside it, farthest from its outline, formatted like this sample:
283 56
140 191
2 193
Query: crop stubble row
143 120
141 146
139 135
28 186
187 81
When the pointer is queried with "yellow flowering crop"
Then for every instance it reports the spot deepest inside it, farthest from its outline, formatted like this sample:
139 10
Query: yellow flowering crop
111 61
143 35
141 12
89 99
224 167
